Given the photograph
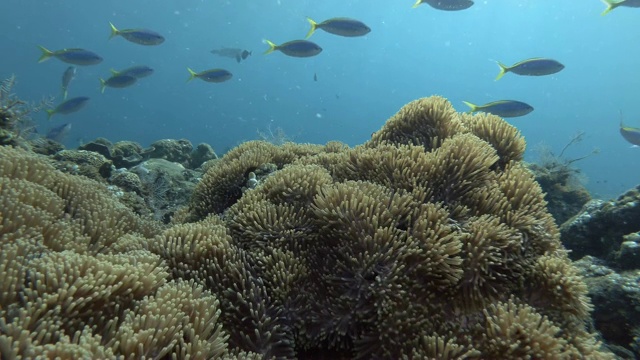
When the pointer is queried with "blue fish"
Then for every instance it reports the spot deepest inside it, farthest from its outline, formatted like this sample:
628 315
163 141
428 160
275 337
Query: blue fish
614 4
67 76
531 67
503 108
70 106
213 75
137 72
446 5
339 26
630 134
295 48
138 36
117 81
71 56
58 133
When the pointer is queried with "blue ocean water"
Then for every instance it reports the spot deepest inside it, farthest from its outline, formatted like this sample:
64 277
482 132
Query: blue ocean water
410 53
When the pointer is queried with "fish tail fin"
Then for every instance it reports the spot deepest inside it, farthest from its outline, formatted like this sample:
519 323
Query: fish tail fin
46 54
64 94
50 113
114 72
418 2
503 70
610 6
114 30
192 74
103 85
272 47
473 107
314 26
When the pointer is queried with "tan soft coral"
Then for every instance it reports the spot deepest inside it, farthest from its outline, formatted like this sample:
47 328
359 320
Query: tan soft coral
408 246
429 228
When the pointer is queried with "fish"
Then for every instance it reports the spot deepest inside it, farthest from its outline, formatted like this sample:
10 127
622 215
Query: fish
295 48
138 36
69 106
58 133
67 76
212 75
630 134
233 53
531 67
614 4
339 26
117 81
137 72
446 5
71 56
502 108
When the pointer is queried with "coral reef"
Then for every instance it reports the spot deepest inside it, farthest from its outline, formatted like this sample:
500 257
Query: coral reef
178 151
165 186
432 240
604 236
616 301
607 230
16 125
561 182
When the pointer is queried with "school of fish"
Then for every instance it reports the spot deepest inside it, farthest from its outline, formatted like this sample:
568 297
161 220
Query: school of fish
301 48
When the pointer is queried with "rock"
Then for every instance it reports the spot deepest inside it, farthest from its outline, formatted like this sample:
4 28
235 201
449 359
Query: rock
82 162
124 154
178 151
616 301
45 146
202 153
127 181
166 186
600 228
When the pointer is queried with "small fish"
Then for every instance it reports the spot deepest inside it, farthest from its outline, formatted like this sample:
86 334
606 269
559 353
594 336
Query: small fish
137 72
295 48
233 53
58 133
117 81
503 108
446 5
339 26
531 67
71 56
213 75
630 134
315 77
67 76
138 36
70 106
614 4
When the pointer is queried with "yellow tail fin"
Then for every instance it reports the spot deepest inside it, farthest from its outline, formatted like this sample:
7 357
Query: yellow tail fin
503 70
314 26
473 107
610 6
103 85
46 54
417 4
50 113
272 47
114 31
192 74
